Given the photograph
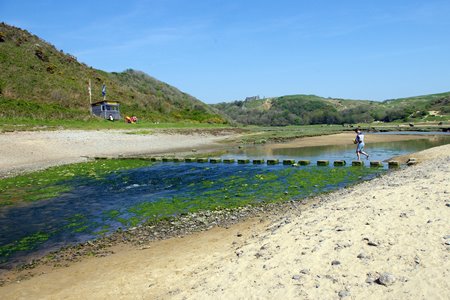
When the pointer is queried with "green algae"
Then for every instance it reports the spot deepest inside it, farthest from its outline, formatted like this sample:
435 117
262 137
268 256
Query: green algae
77 223
210 189
240 189
54 181
26 243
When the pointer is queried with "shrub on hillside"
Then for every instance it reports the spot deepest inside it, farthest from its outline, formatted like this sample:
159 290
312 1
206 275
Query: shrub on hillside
41 55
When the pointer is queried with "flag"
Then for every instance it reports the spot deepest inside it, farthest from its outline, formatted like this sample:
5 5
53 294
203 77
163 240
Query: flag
104 90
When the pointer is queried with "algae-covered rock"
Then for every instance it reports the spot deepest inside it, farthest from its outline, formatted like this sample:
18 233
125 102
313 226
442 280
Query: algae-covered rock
393 164
323 162
243 161
229 160
376 164
339 163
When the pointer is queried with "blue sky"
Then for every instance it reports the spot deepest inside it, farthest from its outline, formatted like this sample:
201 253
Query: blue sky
228 50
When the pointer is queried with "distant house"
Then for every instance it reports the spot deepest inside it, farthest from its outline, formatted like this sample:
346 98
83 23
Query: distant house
106 109
252 98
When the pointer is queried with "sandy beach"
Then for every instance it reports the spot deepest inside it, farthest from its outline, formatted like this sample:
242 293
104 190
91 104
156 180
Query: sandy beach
29 151
388 238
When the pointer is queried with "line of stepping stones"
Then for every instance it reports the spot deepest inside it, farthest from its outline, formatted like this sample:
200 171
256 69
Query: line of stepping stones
337 163
292 162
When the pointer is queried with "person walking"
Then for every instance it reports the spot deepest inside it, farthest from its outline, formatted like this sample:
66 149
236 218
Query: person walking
359 140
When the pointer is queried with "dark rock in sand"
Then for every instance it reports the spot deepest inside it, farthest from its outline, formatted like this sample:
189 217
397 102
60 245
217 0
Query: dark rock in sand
372 242
363 255
296 277
343 294
372 277
335 263
386 279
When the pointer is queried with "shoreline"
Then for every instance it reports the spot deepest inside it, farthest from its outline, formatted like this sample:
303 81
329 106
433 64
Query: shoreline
24 152
273 221
177 226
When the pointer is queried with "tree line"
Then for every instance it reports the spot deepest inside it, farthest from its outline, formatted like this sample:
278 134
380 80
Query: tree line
292 110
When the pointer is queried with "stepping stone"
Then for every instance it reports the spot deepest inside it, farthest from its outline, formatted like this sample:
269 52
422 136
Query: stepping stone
304 162
243 161
393 164
323 162
376 164
229 160
339 163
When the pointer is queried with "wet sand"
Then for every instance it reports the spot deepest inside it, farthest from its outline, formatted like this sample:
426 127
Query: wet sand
344 139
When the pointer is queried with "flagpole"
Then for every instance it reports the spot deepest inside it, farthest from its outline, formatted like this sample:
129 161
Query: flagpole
104 92
90 97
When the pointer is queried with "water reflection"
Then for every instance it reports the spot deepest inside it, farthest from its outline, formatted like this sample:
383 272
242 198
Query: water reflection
378 151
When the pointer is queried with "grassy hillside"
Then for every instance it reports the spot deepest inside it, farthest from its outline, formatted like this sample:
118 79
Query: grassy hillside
37 81
311 109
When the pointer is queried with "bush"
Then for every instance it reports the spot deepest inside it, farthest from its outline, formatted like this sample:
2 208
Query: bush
41 55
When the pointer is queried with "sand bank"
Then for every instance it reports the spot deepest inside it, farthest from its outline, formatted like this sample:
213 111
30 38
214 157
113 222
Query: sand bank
30 151
383 239
344 139
27 151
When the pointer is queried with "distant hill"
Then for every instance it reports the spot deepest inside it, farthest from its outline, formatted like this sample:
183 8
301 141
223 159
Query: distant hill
38 81
311 109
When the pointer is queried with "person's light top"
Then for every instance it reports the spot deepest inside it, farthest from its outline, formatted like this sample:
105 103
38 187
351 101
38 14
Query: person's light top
360 138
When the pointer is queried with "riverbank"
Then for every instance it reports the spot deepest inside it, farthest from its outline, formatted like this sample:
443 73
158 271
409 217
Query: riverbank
29 151
383 239
36 150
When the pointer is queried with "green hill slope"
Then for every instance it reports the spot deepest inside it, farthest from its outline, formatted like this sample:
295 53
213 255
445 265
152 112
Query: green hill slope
311 109
38 81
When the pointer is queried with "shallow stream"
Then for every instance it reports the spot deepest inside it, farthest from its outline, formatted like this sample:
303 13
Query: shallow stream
90 207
